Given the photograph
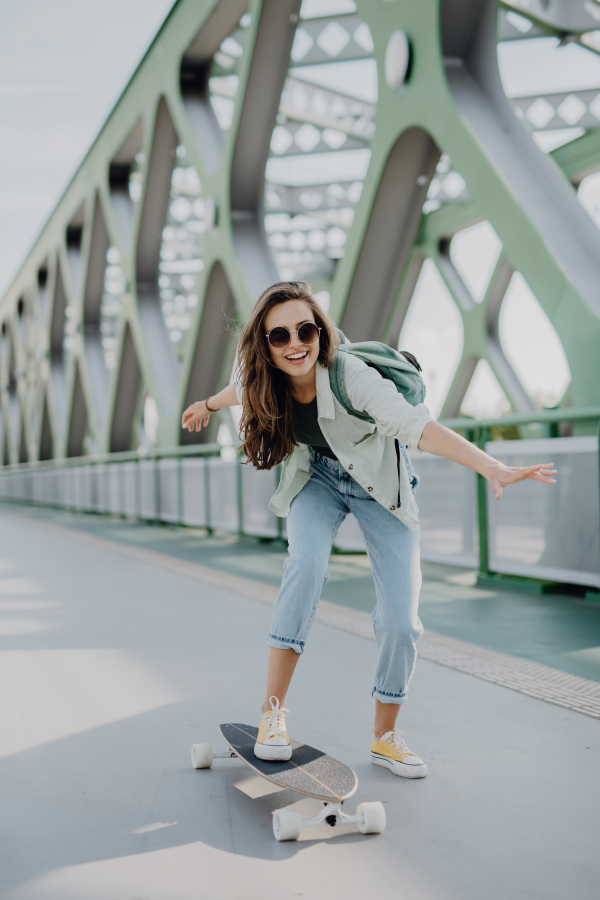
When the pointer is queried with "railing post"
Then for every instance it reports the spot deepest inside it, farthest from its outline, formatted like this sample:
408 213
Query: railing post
138 488
207 494
594 594
121 477
482 518
179 464
598 433
156 489
240 501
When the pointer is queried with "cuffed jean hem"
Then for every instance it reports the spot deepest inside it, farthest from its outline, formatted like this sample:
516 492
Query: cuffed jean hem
282 643
387 697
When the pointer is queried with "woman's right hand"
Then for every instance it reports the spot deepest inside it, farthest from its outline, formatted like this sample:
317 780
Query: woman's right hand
196 415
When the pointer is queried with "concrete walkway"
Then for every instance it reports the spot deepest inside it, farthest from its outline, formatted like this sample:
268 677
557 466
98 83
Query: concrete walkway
559 631
111 668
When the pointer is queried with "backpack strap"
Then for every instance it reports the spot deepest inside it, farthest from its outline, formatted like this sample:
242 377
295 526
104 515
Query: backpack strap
337 381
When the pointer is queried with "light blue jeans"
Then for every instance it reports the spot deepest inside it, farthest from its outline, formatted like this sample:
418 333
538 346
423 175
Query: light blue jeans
315 516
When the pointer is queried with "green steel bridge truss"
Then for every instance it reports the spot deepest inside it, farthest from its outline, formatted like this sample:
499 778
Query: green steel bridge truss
197 194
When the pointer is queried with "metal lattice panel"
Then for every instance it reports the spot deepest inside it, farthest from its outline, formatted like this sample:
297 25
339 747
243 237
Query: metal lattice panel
239 153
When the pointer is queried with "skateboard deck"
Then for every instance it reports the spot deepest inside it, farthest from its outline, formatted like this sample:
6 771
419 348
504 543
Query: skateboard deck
310 772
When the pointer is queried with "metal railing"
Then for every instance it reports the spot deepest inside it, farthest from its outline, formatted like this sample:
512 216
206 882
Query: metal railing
479 431
176 485
192 485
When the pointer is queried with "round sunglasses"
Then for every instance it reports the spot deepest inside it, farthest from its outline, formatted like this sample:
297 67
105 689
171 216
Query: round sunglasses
280 337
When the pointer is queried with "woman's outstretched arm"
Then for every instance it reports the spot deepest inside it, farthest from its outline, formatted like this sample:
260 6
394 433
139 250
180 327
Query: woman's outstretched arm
441 441
198 414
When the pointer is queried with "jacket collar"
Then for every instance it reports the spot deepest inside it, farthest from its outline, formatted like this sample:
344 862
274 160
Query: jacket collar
325 407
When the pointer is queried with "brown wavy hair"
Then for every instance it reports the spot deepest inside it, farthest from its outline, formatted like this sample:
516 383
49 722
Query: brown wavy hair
267 424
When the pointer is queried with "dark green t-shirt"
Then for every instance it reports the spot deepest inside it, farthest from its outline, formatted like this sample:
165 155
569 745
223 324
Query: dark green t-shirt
307 428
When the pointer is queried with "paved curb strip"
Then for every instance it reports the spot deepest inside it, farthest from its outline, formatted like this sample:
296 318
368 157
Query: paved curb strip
530 678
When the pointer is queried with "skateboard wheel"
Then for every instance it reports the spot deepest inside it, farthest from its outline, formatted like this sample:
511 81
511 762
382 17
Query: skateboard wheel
286 824
373 818
202 756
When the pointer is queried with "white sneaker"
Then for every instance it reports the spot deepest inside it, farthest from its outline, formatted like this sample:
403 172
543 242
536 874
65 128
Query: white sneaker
273 742
391 751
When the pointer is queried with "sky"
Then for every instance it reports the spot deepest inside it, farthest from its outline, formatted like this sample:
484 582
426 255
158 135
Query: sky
540 66
63 65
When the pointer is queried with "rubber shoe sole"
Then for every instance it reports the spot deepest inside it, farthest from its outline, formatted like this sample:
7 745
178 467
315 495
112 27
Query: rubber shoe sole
398 768
273 753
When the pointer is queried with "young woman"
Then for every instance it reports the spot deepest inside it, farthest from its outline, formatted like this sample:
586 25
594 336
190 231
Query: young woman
334 464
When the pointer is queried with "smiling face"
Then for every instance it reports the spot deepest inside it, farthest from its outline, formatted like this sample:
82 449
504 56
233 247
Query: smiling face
297 359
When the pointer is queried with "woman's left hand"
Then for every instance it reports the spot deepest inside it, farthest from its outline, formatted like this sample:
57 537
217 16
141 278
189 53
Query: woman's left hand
439 440
500 476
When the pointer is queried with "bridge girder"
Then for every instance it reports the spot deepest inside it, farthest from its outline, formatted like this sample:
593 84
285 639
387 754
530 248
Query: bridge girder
129 297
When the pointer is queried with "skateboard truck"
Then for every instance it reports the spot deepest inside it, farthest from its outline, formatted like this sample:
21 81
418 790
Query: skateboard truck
287 822
333 814
370 818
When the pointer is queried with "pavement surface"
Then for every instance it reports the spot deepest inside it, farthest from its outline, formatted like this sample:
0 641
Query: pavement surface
110 670
554 630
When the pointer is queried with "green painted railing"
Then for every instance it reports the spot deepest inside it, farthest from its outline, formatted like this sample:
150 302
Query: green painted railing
177 453
479 431
125 456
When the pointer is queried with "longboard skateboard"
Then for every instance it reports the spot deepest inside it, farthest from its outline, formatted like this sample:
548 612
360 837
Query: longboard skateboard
309 772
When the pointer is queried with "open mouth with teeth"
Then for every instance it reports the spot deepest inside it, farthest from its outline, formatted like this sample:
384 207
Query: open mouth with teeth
297 358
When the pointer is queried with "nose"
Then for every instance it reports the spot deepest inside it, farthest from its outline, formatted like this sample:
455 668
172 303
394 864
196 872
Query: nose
295 344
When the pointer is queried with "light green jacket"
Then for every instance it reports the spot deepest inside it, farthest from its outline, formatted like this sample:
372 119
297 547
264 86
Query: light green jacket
365 450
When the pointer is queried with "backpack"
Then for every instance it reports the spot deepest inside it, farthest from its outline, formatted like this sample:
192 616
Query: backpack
398 366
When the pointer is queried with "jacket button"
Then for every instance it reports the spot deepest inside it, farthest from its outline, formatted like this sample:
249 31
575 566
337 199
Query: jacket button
369 489
350 466
392 508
